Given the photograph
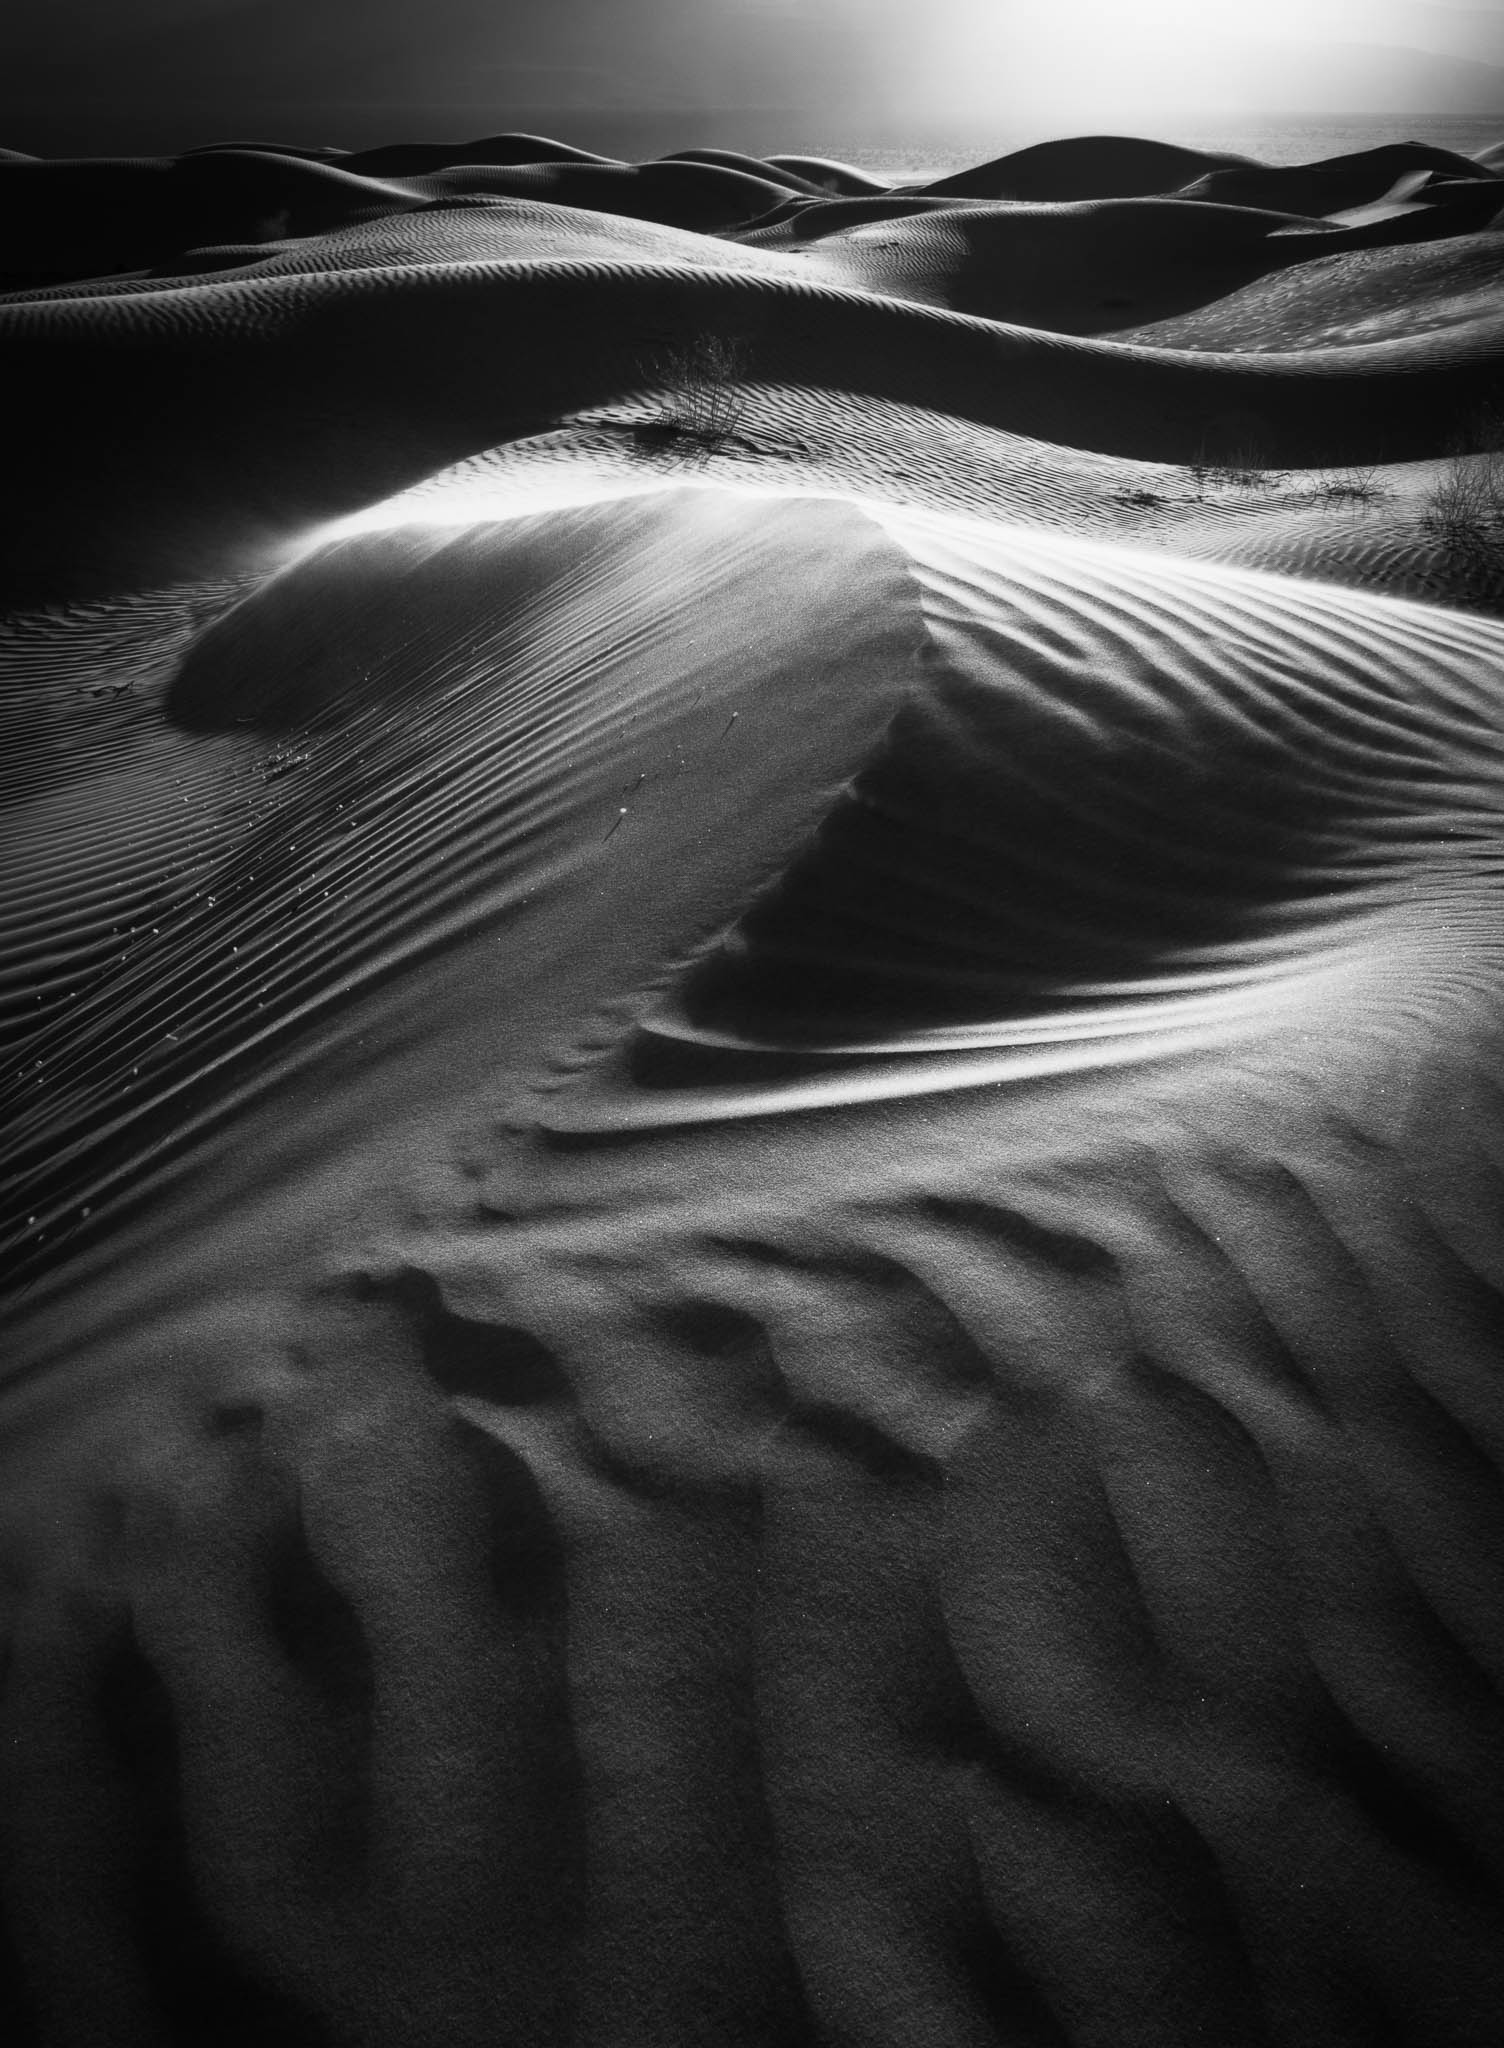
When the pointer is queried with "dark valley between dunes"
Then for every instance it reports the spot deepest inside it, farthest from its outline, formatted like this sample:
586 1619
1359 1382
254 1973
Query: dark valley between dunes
753 982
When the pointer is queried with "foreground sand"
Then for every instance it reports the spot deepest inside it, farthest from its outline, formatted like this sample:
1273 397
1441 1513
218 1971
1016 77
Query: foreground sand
755 1129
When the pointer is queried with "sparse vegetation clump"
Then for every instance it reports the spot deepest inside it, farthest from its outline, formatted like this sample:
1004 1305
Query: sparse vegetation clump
1245 474
1466 503
696 389
1355 484
1243 470
1463 513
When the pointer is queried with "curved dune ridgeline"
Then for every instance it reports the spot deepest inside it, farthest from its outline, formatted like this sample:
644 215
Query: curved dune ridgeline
752 998
218 419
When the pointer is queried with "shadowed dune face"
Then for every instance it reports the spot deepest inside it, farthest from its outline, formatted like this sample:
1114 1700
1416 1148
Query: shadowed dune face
827 175
408 159
300 851
1327 188
1348 298
1082 268
67 220
1000 873
1132 815
1087 167
206 457
753 1169
704 197
1084 839
778 172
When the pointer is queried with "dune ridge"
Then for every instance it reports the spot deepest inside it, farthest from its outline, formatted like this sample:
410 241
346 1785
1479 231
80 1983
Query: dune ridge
327 350
752 1002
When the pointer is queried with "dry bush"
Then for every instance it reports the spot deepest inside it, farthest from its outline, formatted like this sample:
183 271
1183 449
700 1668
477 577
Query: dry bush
1243 468
1467 500
1245 471
696 386
1463 514
1355 484
1465 506
1242 476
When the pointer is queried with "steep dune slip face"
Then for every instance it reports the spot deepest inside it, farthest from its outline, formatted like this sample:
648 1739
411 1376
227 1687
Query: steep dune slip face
1113 815
752 1205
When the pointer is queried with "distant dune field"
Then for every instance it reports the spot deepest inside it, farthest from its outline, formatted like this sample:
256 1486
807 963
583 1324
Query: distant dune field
753 986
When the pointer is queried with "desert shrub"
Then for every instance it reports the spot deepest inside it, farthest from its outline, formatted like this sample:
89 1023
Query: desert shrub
1355 484
1245 476
1463 516
1246 470
1463 513
1465 505
697 400
1242 470
1466 502
1235 458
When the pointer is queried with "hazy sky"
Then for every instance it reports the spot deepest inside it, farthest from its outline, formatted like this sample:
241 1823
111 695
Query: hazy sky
1266 55
1114 61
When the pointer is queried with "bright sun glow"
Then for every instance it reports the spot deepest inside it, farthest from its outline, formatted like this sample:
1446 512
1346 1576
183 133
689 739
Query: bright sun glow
1076 57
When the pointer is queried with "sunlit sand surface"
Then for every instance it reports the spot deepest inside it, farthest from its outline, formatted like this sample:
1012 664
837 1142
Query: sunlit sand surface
753 982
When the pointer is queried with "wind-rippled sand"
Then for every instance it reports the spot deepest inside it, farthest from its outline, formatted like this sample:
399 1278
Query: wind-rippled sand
752 973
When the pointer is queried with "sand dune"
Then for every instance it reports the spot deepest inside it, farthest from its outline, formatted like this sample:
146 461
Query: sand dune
751 977
203 456
1087 267
408 159
1348 297
1340 182
1086 167
827 174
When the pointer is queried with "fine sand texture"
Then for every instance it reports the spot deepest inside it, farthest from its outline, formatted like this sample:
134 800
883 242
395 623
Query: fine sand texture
752 978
